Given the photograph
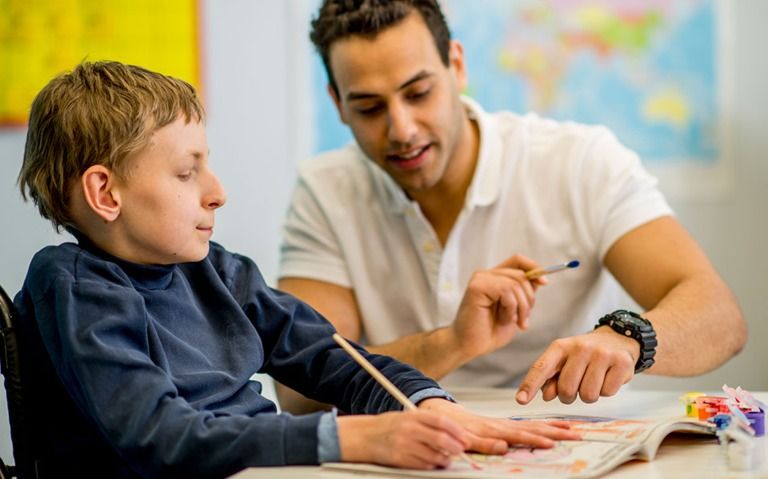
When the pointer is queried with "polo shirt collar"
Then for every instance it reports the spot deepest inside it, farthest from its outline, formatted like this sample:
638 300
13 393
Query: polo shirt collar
485 187
486 183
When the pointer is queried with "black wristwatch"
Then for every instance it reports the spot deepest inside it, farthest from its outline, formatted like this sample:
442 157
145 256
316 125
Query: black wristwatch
633 325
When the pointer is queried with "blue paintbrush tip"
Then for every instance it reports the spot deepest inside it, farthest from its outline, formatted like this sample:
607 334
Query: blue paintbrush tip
574 264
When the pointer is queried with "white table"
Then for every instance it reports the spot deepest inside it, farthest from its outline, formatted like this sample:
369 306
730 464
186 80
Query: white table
678 457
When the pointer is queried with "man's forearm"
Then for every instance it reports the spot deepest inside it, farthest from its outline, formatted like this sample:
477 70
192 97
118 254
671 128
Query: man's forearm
699 326
435 353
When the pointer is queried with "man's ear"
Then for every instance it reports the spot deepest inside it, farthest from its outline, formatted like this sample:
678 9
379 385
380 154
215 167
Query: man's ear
337 102
100 193
456 63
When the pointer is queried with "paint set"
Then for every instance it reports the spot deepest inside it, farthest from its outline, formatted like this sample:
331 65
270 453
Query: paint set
738 402
740 419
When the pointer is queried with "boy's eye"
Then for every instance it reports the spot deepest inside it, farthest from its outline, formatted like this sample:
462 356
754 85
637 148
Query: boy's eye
185 176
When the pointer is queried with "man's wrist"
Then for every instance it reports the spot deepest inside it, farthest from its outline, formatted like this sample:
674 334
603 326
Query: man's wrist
631 325
452 349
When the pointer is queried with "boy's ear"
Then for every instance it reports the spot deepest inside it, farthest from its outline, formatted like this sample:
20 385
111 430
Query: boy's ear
336 101
100 193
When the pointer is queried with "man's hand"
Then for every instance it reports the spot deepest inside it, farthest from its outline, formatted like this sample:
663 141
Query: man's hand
496 305
490 435
590 365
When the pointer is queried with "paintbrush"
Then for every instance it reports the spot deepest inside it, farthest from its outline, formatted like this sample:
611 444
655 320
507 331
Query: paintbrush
538 272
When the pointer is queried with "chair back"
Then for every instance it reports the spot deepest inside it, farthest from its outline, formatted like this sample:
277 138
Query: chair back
10 366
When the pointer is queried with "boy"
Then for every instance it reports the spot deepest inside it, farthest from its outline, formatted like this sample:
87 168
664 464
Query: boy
145 335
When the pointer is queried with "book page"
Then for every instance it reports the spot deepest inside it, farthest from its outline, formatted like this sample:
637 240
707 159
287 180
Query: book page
606 444
603 429
566 459
663 429
646 435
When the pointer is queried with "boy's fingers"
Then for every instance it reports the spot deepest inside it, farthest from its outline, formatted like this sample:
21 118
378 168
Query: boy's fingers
488 445
422 456
558 430
444 428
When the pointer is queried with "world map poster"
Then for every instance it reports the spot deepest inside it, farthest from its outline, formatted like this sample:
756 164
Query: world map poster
650 70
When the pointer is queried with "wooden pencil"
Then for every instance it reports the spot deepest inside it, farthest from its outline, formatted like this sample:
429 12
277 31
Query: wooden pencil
387 384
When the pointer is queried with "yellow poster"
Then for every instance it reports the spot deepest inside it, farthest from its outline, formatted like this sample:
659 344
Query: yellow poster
40 39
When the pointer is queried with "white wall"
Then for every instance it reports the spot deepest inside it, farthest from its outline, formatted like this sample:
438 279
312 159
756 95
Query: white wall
253 62
733 228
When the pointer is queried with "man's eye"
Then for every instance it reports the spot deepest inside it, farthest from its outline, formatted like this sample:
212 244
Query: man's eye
371 110
419 94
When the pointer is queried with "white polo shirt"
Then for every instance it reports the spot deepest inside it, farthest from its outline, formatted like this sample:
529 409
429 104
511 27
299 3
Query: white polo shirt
549 190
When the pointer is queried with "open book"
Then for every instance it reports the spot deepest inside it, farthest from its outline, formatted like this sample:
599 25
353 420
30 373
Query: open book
607 443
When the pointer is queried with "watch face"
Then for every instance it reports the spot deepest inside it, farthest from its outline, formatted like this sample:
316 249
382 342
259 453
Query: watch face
640 329
632 319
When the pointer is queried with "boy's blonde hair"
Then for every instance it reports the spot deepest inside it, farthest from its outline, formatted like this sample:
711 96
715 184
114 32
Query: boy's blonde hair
98 114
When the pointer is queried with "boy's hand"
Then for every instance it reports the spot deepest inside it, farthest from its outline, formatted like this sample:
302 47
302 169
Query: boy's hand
411 439
490 435
427 437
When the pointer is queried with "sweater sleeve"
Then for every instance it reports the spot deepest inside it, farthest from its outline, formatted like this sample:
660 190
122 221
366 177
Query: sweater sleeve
95 333
300 351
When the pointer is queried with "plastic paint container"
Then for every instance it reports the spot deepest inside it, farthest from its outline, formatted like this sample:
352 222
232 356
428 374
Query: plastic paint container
709 406
757 421
689 399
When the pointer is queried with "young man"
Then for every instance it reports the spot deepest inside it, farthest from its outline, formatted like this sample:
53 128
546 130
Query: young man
141 339
416 238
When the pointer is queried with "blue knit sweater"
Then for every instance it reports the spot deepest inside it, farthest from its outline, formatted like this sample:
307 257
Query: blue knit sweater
145 370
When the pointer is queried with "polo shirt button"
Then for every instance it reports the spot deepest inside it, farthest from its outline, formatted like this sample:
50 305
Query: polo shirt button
428 247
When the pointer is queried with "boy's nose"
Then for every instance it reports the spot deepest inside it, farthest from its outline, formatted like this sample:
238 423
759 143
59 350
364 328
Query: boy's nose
216 196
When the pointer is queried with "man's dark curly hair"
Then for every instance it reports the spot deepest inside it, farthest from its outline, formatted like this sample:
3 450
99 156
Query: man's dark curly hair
337 19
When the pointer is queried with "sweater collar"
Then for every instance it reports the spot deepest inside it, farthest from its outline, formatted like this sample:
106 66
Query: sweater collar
146 276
